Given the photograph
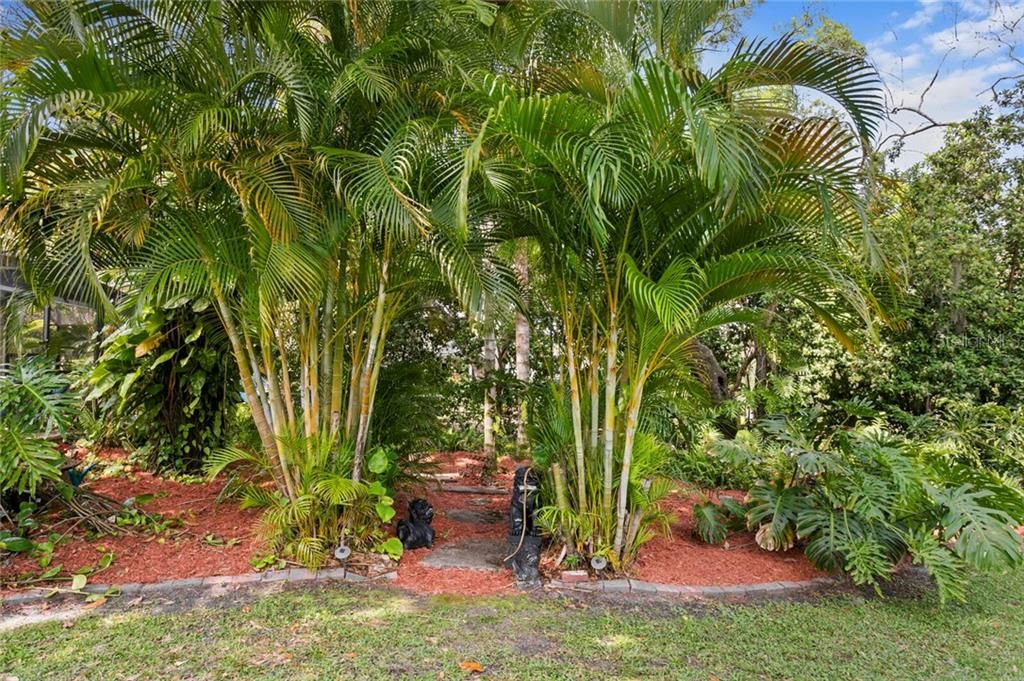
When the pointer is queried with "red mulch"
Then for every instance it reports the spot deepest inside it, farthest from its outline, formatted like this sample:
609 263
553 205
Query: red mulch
142 557
678 559
416 577
683 558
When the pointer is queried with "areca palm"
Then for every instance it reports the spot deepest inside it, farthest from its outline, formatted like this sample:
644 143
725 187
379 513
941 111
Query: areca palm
663 198
293 165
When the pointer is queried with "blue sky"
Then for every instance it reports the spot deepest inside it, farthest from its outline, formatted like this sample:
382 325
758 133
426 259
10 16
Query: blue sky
908 40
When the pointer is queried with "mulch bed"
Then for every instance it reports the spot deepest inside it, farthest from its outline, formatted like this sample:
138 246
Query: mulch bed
182 552
469 466
683 558
179 552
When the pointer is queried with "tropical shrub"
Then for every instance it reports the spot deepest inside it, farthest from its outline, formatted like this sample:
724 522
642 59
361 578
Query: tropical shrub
951 224
166 382
716 463
551 435
325 508
982 436
861 499
713 521
36 403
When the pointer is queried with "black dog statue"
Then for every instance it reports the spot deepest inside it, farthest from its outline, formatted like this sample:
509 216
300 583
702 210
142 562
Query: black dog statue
524 538
416 532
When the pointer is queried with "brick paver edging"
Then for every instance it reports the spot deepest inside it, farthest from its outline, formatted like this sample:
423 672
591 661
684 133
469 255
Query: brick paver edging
294 575
155 588
744 590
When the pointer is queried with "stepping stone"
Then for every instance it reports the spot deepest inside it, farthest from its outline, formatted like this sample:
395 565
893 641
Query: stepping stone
475 489
445 477
466 515
471 554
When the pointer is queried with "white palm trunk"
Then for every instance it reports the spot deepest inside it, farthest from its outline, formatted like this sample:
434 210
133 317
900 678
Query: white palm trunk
522 267
490 361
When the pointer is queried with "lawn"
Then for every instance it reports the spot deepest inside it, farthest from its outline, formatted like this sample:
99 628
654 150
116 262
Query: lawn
365 634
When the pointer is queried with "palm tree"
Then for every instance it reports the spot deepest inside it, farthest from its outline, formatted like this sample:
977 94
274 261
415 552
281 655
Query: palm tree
293 165
662 198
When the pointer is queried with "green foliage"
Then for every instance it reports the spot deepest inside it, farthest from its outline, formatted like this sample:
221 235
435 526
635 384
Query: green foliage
166 383
15 538
985 437
689 195
35 403
861 498
976 529
326 507
709 522
315 150
269 561
713 462
551 436
951 226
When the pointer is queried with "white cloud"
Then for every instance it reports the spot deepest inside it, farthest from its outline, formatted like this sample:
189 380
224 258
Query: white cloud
954 96
893 64
978 36
965 54
923 16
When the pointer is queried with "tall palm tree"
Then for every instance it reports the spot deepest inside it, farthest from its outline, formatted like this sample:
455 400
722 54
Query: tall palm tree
292 164
663 197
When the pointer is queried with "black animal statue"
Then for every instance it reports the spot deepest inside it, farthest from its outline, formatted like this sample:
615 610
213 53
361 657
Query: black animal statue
524 537
416 532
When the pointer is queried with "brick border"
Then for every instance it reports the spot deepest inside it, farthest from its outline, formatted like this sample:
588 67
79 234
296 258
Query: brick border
289 575
622 586
300 575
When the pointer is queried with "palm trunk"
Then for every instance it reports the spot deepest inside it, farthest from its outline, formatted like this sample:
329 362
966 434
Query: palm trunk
256 405
522 266
632 413
610 387
339 329
562 503
367 372
286 378
375 374
282 426
352 410
636 519
328 321
490 353
313 374
595 398
337 382
577 419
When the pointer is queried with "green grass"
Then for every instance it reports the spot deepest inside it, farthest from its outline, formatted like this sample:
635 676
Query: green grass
367 634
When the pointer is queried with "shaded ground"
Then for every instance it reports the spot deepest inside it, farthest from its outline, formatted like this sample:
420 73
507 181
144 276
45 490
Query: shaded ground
456 522
212 538
679 558
364 633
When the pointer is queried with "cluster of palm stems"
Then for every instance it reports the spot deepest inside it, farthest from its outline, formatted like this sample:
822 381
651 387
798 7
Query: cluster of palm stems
313 169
